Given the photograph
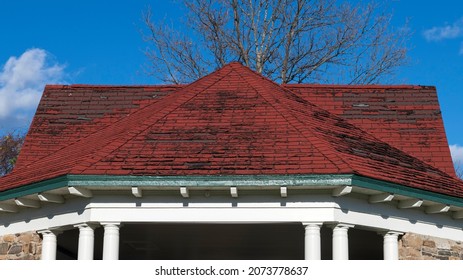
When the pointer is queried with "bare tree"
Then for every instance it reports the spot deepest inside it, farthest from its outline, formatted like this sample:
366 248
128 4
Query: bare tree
10 145
285 40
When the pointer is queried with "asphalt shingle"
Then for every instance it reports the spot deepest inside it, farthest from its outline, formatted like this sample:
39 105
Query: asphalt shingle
231 122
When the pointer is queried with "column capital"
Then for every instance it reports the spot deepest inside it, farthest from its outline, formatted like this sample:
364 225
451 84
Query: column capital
86 225
118 224
319 224
391 232
341 225
49 231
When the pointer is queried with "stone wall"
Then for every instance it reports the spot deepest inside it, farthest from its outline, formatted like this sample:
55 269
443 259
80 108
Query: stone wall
421 247
21 246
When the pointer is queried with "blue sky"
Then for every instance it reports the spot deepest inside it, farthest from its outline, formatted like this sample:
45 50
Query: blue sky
99 42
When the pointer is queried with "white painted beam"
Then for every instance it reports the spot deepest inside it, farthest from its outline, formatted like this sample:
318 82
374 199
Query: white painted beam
458 214
342 191
78 191
137 192
184 192
283 191
29 203
410 203
48 197
234 192
8 208
380 198
436 209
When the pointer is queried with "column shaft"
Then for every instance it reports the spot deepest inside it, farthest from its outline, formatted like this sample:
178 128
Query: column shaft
312 246
49 244
340 242
86 242
391 246
111 241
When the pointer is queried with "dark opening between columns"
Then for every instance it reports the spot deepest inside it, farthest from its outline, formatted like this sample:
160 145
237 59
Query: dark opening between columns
170 241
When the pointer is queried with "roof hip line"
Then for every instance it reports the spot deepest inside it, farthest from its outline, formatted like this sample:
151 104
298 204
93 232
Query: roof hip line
332 156
76 152
181 97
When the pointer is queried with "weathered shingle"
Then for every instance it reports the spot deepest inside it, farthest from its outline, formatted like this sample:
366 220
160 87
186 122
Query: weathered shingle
407 117
68 113
231 122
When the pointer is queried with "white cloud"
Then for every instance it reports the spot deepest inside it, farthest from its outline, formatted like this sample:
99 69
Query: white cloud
448 31
457 153
22 80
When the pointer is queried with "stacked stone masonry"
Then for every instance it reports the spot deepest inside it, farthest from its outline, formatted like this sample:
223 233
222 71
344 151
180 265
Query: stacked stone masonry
420 247
20 246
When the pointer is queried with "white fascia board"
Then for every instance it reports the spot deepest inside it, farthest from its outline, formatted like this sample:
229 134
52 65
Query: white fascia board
316 208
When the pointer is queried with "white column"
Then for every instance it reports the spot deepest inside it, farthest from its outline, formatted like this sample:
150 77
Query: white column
340 242
49 244
86 241
312 247
111 241
391 245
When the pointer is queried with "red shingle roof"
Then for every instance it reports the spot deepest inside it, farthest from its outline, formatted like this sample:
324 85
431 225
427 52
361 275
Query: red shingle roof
406 117
67 113
231 122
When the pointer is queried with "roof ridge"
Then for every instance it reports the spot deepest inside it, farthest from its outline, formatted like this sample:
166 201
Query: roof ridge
333 157
368 86
336 152
98 86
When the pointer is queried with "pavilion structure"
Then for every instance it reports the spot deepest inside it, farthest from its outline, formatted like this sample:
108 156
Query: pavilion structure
233 166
